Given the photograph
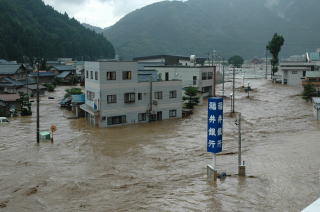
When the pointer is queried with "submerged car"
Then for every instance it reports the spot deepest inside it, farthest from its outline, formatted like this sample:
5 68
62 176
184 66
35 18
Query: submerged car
3 120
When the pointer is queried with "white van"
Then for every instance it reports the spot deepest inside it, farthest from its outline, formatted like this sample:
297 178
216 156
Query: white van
3 120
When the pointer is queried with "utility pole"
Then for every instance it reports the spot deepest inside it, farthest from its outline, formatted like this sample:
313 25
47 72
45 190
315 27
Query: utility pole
223 77
239 141
38 104
266 63
214 80
150 109
241 167
233 88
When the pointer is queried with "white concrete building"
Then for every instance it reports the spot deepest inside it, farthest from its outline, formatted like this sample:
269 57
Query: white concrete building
191 76
115 95
292 72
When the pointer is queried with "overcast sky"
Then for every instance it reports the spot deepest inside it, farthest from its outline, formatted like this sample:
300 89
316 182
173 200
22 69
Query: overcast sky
102 13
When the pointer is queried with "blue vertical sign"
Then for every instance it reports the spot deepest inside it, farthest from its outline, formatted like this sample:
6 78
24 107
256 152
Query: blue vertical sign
215 124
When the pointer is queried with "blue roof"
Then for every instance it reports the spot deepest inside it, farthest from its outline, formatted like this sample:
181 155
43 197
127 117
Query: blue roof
64 68
9 69
42 74
13 82
64 74
78 98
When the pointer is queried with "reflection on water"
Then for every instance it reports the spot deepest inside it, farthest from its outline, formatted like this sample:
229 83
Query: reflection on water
162 165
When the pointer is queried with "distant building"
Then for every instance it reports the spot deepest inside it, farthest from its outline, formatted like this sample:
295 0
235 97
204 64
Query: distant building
316 107
9 104
293 72
14 71
118 94
170 60
312 78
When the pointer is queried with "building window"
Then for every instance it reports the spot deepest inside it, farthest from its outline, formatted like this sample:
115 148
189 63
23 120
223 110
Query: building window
142 116
96 75
103 118
91 74
111 99
210 75
204 75
111 75
194 80
90 95
173 94
158 95
172 113
294 72
126 75
116 120
139 96
87 74
167 76
129 97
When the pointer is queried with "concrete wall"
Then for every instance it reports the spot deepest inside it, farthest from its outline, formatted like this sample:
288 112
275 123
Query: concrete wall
103 87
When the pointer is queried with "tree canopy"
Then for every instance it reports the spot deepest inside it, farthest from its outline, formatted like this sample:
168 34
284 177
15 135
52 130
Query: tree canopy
274 47
29 28
236 61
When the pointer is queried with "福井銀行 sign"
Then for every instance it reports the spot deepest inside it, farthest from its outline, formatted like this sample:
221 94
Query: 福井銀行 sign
215 125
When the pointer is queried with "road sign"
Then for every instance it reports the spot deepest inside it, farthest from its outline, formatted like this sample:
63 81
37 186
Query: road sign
215 124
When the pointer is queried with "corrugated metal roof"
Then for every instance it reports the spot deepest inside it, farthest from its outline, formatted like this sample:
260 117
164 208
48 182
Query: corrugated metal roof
64 74
312 74
43 74
64 68
9 69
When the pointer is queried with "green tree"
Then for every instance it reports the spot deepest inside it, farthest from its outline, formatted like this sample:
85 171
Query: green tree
190 97
25 104
72 91
236 61
274 47
308 92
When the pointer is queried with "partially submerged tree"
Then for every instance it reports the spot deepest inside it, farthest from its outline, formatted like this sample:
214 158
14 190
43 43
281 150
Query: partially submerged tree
236 61
308 92
274 47
72 91
191 97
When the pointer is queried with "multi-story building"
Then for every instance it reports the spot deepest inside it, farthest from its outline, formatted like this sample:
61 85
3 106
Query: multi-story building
118 94
190 70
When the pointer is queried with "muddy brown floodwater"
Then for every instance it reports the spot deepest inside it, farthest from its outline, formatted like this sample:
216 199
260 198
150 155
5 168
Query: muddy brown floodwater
161 166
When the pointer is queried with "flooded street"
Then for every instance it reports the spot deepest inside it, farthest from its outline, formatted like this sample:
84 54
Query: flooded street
161 166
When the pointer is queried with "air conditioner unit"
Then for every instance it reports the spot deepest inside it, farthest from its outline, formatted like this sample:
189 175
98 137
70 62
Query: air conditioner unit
154 102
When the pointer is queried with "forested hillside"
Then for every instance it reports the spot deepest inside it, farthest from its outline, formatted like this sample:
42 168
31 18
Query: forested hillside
229 26
32 29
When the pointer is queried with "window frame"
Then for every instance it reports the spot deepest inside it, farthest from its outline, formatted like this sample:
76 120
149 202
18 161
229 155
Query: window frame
112 100
158 95
172 113
111 75
129 97
173 94
126 75
142 117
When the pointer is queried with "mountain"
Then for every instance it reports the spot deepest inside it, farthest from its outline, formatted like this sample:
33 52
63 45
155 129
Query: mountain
93 28
228 26
32 29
